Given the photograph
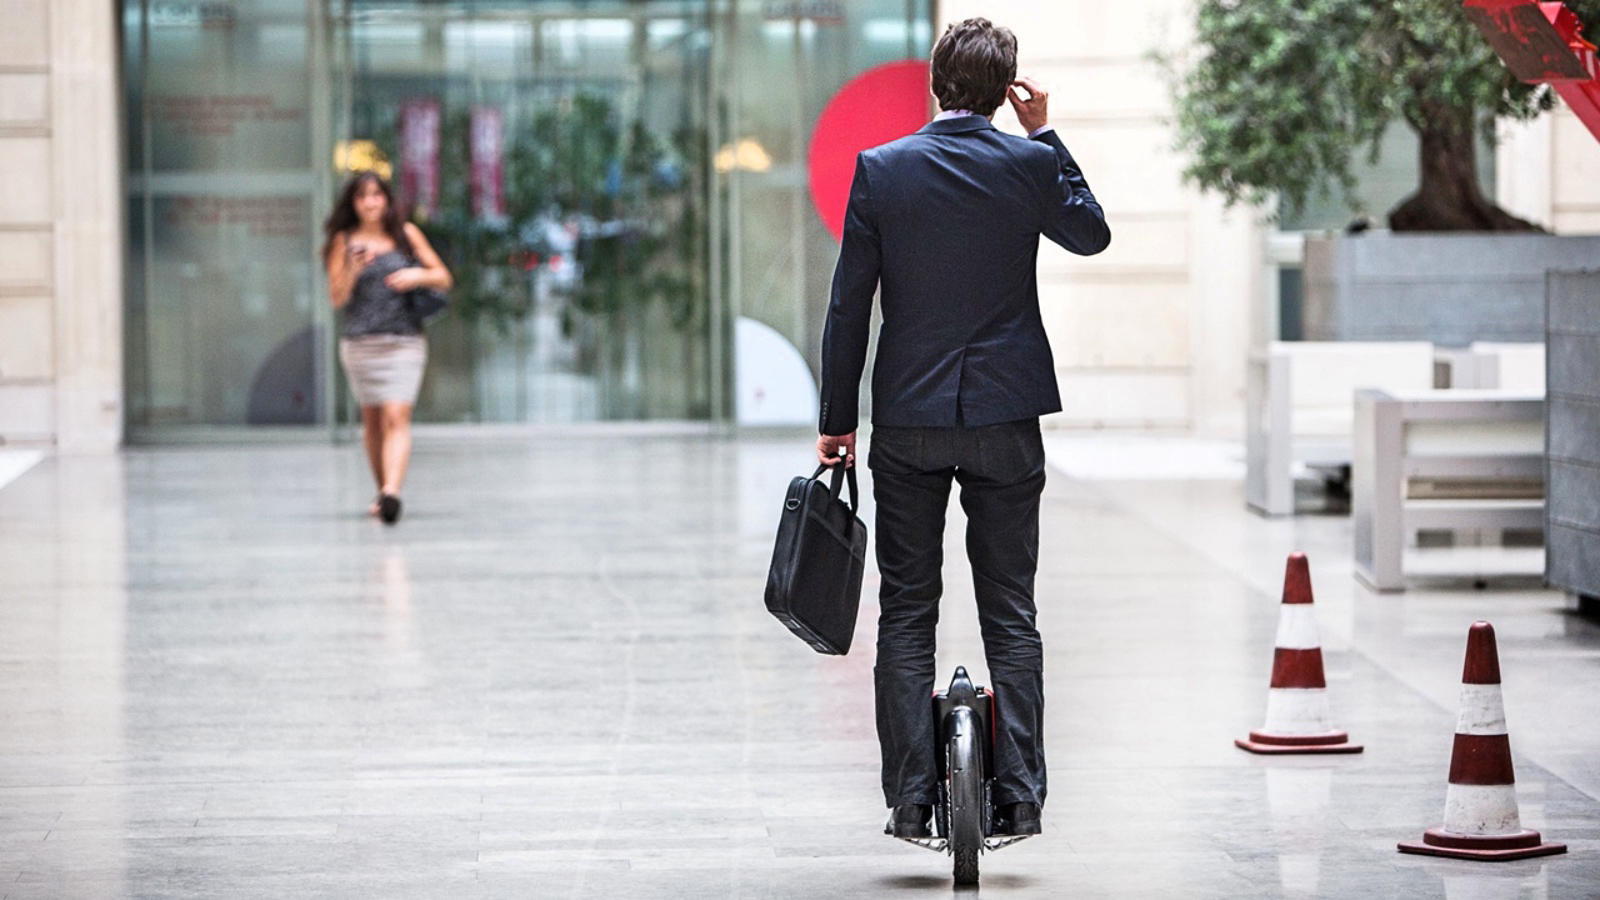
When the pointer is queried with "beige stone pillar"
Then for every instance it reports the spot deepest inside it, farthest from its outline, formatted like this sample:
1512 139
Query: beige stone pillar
88 208
60 226
27 241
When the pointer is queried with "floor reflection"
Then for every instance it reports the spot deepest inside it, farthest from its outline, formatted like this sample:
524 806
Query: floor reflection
1297 804
1524 880
65 657
395 580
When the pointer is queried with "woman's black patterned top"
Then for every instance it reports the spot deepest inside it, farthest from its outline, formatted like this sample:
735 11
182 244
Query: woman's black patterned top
375 308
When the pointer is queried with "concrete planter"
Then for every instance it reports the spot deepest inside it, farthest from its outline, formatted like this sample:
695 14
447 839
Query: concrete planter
1572 434
1451 289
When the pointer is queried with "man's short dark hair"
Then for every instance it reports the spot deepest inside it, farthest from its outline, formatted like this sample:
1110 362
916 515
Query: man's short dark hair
973 64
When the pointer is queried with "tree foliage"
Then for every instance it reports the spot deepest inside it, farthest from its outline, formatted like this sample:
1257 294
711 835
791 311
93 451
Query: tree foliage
1280 96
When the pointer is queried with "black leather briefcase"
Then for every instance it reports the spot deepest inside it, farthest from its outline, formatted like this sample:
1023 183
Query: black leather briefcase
814 585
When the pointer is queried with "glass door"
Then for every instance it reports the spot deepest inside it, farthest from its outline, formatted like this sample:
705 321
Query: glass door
223 310
555 154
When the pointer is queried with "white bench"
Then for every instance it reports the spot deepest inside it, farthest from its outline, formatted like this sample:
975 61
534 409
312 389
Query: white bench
1492 364
1441 460
1298 407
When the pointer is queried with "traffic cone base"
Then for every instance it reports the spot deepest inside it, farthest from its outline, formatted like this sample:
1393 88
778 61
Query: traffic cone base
1282 744
1497 847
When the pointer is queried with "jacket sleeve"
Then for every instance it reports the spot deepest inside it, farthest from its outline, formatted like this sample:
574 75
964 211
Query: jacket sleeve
1072 216
844 337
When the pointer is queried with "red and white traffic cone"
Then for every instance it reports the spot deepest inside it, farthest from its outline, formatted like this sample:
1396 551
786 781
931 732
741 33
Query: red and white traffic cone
1298 720
1480 805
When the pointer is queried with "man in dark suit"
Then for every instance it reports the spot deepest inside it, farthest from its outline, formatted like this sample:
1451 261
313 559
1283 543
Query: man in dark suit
947 223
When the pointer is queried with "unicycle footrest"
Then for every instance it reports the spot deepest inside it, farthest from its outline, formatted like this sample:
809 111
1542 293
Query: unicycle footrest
942 845
1005 840
937 845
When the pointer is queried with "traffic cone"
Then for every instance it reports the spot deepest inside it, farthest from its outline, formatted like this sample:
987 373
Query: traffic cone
1480 804
1298 720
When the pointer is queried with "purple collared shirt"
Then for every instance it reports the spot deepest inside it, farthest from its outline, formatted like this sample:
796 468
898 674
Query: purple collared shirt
957 113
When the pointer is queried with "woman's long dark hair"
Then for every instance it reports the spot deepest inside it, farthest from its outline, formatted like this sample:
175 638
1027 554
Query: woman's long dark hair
343 219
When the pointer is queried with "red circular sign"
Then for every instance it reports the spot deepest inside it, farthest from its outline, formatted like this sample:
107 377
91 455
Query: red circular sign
877 106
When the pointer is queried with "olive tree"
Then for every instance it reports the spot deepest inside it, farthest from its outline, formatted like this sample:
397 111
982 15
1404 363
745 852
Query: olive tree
1277 97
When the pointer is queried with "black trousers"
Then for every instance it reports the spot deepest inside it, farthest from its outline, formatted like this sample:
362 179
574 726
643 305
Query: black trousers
1001 472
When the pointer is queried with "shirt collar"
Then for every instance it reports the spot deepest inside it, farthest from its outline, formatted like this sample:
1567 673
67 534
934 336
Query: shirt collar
957 122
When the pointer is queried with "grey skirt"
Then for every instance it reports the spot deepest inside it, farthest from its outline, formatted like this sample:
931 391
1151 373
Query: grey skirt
384 368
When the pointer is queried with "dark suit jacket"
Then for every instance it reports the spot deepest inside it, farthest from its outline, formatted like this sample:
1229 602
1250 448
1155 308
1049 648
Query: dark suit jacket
947 221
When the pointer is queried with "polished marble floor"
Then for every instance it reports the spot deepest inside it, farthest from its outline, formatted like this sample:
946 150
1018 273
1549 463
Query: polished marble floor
555 678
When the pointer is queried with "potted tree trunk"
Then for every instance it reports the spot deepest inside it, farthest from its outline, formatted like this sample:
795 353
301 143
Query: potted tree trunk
1283 95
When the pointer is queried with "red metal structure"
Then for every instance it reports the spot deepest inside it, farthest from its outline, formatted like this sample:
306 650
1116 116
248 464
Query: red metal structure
1543 43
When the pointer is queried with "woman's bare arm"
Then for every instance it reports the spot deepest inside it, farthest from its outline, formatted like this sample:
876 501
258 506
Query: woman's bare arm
341 272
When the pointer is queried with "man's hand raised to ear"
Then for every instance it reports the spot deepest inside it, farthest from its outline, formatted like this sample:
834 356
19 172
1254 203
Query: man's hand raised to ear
1032 112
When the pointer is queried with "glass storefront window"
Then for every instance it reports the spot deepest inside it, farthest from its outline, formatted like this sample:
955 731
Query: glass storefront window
559 167
787 67
221 203
562 156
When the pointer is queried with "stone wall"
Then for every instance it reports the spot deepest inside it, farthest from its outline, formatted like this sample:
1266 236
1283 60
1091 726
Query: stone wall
60 226
1451 289
1572 440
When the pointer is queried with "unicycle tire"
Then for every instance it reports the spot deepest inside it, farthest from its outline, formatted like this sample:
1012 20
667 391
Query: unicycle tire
966 869
964 766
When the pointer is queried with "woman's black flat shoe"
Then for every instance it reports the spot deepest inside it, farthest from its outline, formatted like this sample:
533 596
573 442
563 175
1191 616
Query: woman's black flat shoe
389 509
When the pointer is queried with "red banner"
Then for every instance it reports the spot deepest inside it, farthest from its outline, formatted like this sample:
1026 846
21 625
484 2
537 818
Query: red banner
419 156
488 163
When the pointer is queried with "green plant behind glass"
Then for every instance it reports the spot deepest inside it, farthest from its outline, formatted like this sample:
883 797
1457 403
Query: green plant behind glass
643 244
631 193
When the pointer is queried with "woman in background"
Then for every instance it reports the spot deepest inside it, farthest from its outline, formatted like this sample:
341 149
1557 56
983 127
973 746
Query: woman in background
374 259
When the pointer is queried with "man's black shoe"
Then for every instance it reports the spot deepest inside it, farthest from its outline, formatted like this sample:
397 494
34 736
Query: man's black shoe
910 820
1017 818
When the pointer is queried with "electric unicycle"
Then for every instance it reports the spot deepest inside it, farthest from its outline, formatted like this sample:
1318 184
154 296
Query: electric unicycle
963 814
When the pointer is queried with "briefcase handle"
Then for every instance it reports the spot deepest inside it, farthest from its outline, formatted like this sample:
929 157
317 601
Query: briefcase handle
841 474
